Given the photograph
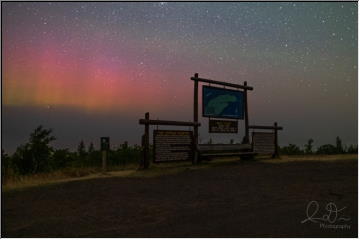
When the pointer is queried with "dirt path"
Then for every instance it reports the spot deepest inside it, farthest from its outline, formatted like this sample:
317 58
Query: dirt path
242 199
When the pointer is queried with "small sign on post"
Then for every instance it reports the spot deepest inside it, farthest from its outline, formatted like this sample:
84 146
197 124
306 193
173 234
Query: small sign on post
222 126
105 146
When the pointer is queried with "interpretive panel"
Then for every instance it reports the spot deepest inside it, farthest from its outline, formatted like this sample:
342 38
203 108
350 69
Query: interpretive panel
173 145
223 103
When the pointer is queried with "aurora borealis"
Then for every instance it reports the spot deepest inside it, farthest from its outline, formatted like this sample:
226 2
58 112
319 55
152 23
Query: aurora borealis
89 69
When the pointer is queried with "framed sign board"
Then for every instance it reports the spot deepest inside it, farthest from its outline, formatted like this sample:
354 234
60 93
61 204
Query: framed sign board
105 143
223 103
173 145
263 142
223 126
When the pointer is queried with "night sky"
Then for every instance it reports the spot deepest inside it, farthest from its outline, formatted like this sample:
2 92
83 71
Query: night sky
93 69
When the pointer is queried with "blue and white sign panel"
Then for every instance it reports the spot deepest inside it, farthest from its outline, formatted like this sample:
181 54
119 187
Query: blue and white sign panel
223 103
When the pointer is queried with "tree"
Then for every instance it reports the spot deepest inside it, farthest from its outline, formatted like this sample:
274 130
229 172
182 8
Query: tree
41 151
5 165
81 149
91 148
92 155
309 146
36 155
352 149
125 145
81 153
339 147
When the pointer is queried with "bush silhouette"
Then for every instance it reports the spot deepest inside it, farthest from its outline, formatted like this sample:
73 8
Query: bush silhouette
352 149
292 149
327 149
62 158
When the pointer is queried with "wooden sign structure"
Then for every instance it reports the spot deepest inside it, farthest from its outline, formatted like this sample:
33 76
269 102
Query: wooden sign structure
266 142
263 142
145 161
244 87
172 145
167 149
223 126
246 140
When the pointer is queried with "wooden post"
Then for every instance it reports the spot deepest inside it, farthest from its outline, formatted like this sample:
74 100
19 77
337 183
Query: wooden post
104 147
196 129
146 143
276 152
246 139
104 160
142 159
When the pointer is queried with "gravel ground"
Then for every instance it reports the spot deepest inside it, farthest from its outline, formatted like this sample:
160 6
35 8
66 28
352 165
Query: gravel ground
241 199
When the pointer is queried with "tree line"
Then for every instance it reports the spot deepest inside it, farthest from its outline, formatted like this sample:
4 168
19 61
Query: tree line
38 156
309 148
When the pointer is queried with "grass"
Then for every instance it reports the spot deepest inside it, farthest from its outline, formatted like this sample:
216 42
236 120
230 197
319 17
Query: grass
322 158
131 170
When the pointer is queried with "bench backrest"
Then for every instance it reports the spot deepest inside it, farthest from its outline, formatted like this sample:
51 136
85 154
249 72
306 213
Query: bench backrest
263 142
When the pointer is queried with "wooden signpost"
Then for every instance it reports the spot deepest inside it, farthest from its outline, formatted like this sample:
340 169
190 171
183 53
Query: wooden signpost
105 146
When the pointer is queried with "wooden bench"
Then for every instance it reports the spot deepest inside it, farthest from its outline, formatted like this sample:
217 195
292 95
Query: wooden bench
225 150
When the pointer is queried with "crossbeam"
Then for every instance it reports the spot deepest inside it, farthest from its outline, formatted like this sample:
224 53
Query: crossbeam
221 83
166 122
265 127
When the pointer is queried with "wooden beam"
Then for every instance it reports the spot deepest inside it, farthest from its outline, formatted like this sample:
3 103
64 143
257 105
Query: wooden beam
146 149
195 78
266 127
276 152
196 112
247 139
166 122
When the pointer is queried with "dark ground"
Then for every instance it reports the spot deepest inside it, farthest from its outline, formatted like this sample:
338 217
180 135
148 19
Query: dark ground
242 199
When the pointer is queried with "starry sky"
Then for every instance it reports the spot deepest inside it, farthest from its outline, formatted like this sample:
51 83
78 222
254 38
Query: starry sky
92 69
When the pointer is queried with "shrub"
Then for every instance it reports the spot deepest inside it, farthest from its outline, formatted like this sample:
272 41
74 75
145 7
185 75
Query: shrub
292 149
327 149
62 158
352 149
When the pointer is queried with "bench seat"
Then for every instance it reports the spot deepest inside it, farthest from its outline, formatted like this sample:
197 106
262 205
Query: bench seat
228 154
224 147
219 150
